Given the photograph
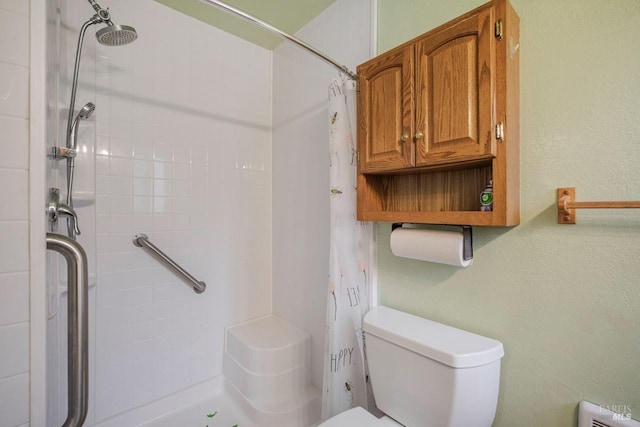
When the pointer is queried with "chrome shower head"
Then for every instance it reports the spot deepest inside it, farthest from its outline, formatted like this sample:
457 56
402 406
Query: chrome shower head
112 34
87 110
116 35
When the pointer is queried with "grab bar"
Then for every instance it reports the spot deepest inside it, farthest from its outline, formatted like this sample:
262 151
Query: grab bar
78 327
142 241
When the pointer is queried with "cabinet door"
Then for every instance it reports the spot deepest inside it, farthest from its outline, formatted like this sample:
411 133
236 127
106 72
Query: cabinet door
455 74
385 112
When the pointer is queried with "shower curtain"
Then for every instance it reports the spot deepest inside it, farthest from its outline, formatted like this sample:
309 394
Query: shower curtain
348 288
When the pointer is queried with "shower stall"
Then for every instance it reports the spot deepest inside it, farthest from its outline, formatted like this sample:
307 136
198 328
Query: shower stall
214 149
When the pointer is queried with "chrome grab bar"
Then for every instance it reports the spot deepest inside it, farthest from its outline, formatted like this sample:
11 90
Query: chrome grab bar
142 241
78 327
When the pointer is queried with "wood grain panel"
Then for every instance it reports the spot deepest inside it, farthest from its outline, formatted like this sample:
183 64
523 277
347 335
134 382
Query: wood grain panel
455 87
385 111
453 190
386 115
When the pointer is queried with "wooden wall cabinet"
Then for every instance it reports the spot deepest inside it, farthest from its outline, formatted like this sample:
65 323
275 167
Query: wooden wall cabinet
438 117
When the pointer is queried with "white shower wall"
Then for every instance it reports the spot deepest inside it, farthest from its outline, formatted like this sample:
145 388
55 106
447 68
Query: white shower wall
14 216
183 154
179 148
301 164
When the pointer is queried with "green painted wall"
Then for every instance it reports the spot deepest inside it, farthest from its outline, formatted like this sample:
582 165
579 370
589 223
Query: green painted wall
287 15
564 300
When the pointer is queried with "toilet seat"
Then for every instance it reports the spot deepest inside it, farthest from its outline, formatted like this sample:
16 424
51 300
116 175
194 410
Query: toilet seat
358 417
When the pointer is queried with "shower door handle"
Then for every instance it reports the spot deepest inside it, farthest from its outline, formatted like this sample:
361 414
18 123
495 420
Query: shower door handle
78 326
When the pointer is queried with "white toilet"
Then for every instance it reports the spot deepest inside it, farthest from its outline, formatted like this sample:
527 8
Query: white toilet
426 374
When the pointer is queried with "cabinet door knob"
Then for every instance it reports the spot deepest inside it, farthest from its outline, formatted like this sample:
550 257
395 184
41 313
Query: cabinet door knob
419 135
404 137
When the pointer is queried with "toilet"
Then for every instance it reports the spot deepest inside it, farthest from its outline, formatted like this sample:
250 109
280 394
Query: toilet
426 374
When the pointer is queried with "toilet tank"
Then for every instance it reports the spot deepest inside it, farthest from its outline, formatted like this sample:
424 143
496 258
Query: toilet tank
424 373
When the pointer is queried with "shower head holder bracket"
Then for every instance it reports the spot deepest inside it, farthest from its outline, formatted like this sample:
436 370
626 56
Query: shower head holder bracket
61 153
102 15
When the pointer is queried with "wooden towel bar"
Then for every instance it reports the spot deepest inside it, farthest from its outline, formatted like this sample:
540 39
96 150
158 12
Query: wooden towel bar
567 205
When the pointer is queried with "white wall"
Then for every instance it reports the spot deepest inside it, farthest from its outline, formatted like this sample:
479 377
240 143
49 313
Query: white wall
14 256
301 164
183 154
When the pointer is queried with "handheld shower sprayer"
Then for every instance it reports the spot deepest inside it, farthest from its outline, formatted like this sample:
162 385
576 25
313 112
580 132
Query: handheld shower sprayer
84 113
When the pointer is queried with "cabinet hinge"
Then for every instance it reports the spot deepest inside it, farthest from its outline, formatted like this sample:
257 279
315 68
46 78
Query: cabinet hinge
357 85
357 157
499 29
500 131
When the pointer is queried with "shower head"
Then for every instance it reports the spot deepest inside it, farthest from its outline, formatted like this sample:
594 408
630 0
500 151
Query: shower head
112 34
87 110
116 35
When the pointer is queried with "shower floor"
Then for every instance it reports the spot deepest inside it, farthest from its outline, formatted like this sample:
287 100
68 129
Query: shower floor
226 413
188 408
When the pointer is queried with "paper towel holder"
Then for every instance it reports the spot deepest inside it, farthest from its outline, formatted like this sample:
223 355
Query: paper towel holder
467 238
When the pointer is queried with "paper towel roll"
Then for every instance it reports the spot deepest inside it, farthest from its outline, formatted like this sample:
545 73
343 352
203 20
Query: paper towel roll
444 247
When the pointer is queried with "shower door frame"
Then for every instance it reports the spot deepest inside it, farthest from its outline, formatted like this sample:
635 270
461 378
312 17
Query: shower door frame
37 222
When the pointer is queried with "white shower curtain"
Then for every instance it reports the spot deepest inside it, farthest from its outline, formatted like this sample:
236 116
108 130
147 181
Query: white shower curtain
348 289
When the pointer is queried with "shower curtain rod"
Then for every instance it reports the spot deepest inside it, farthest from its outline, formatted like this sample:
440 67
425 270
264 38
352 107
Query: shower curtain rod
232 10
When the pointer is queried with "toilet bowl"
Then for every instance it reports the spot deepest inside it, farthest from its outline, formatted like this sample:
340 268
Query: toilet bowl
426 374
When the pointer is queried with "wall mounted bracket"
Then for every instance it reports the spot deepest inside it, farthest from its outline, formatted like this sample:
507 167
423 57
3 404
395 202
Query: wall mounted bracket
60 153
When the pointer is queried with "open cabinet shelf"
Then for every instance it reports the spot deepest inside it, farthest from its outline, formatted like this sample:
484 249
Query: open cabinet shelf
440 197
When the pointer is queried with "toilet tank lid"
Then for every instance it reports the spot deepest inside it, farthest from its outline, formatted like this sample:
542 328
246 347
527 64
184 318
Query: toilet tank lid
445 344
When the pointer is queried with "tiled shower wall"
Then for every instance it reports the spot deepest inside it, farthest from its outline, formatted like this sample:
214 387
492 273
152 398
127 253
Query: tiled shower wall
14 216
301 164
183 154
